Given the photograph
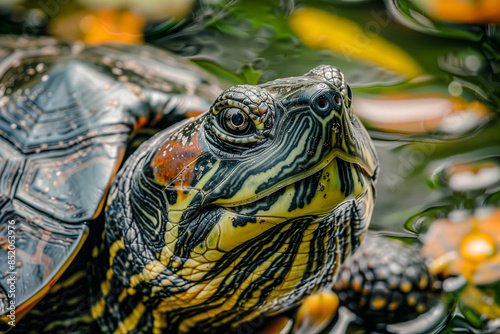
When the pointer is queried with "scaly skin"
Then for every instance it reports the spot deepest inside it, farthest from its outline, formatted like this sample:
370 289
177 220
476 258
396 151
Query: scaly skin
241 212
69 112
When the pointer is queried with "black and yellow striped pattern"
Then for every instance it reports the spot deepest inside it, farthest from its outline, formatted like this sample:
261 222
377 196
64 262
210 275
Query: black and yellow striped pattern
208 227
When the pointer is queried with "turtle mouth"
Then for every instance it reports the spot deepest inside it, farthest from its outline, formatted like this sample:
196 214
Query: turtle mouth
365 167
335 154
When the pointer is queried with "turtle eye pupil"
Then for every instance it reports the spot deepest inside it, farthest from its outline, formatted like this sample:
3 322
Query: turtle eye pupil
237 119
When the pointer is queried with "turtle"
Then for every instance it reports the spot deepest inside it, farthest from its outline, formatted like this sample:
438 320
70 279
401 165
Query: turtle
237 213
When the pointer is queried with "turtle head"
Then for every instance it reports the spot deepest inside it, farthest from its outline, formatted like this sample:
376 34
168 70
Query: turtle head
282 132
247 208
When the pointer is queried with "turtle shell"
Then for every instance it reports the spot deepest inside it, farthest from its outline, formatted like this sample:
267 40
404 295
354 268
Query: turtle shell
67 113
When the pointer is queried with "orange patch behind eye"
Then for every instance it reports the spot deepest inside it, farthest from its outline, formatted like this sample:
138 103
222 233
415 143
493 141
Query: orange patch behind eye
194 114
141 122
172 157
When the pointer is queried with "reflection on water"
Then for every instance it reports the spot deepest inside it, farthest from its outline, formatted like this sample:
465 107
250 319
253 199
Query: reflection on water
465 245
470 176
421 113
455 11
320 29
426 85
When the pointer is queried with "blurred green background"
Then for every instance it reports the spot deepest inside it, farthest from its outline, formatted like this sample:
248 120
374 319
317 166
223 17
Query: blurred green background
425 78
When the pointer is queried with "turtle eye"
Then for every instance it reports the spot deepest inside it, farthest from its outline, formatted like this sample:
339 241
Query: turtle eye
235 121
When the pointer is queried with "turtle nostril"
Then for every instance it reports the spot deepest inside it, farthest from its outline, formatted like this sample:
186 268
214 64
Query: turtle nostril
321 103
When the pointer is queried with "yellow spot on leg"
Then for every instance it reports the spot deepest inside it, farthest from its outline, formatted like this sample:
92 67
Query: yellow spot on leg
405 286
378 303
393 306
411 299
424 281
421 308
